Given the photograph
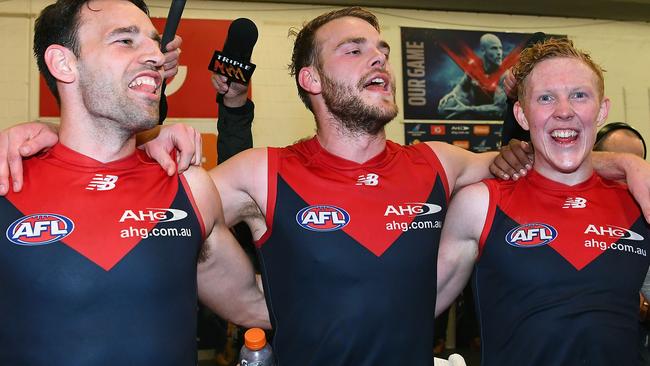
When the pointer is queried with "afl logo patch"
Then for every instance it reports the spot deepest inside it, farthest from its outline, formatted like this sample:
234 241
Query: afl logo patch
39 229
531 235
322 218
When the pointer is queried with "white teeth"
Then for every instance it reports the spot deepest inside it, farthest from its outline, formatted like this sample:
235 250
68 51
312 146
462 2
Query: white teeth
146 80
377 81
564 133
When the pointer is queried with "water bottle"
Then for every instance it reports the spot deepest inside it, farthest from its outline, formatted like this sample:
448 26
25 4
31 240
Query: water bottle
255 351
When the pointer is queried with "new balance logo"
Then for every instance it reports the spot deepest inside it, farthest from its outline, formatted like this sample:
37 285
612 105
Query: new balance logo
101 182
575 202
368 180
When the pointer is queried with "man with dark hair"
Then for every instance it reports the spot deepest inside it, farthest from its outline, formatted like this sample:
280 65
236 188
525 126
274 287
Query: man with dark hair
99 262
560 255
60 25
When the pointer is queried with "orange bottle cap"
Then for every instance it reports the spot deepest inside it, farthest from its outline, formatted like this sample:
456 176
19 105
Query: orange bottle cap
255 339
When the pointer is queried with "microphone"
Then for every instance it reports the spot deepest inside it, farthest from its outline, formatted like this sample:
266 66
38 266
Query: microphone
234 60
173 18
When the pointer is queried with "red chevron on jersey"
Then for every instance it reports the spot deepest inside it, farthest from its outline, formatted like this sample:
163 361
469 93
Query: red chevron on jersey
583 231
339 192
110 220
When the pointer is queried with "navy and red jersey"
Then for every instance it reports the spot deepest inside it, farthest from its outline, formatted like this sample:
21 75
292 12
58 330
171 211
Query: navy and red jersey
558 277
349 257
98 264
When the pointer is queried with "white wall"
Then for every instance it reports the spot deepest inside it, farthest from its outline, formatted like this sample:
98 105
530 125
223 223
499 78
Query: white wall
622 48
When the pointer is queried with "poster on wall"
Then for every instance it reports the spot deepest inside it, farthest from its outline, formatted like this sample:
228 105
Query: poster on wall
474 136
456 74
190 93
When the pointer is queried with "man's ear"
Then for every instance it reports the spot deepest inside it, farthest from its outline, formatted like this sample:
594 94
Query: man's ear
61 62
603 112
309 80
518 110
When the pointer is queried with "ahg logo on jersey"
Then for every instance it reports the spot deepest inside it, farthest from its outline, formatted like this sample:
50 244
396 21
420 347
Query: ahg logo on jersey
101 182
322 218
406 211
531 235
39 229
154 215
412 209
612 231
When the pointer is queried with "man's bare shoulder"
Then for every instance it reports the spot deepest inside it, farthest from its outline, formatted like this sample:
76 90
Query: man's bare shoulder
250 161
473 192
205 194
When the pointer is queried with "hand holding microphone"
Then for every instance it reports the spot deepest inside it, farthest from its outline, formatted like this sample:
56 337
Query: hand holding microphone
233 61
233 94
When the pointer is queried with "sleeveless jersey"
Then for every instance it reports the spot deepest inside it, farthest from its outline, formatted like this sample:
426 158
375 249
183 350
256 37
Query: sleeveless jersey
98 264
349 257
558 278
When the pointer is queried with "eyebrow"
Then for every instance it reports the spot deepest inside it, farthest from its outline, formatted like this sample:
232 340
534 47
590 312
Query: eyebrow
360 40
134 29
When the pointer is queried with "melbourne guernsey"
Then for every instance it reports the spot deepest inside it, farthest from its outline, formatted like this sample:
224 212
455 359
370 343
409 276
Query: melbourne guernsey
98 264
349 258
558 278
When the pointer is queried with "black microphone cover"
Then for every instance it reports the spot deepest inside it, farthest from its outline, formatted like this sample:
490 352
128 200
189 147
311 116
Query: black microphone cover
234 61
242 36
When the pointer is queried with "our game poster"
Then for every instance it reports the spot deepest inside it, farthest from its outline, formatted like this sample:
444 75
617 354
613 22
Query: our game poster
474 136
453 89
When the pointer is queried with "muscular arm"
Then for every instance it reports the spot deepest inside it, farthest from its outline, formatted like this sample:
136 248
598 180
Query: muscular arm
633 169
462 100
242 184
462 167
457 100
226 280
459 242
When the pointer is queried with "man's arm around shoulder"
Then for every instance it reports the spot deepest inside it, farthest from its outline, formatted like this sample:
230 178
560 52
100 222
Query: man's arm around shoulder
226 280
459 242
462 167
242 182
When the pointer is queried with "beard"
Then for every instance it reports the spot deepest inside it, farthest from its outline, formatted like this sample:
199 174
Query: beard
355 115
113 109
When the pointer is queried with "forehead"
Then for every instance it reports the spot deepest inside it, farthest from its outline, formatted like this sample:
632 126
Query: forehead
561 73
97 17
492 42
334 32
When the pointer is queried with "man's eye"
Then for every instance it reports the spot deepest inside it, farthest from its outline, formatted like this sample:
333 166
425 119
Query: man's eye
126 41
579 95
353 52
545 98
